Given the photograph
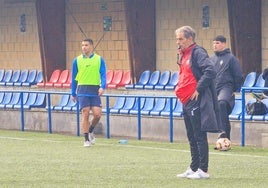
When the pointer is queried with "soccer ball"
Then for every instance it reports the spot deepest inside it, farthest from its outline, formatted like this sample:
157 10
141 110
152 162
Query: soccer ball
223 144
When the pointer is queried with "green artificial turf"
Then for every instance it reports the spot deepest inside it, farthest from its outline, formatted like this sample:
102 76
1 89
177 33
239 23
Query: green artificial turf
34 159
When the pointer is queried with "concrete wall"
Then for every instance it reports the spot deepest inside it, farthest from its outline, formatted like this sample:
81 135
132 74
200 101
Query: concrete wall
122 126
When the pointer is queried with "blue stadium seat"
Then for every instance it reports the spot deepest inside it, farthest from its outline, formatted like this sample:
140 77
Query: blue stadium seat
119 103
129 104
14 100
6 100
250 79
70 106
166 110
2 95
31 100
160 104
148 106
134 110
178 112
23 77
31 78
144 78
259 83
7 77
163 81
2 74
25 98
63 102
154 79
39 78
40 101
145 81
173 81
237 110
15 77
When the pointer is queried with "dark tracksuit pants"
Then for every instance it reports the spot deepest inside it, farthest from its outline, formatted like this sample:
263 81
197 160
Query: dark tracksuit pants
197 138
225 110
226 101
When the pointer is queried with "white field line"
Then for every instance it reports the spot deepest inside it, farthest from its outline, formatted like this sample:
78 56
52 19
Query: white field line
139 147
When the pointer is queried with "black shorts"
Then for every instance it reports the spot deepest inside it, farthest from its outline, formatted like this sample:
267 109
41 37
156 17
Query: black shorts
87 96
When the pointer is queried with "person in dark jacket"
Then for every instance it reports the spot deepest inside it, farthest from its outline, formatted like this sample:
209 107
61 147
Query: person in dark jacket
195 91
229 79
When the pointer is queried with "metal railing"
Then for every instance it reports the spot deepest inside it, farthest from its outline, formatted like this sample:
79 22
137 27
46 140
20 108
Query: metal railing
245 90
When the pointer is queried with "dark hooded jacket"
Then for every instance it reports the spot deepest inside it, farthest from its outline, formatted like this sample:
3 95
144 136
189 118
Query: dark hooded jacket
204 72
229 73
229 77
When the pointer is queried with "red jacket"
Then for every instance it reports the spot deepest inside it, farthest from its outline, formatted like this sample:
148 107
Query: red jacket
187 82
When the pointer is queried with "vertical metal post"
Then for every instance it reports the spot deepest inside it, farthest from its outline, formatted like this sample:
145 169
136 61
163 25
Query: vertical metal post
107 117
171 120
243 118
77 120
139 118
21 111
49 113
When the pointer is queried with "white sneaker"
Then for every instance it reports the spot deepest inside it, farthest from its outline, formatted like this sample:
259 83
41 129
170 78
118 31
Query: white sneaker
92 138
188 172
199 174
87 143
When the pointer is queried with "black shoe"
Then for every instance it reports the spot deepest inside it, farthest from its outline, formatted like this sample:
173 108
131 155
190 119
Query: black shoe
222 135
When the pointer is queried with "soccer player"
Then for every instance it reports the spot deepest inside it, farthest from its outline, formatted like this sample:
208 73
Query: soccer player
88 84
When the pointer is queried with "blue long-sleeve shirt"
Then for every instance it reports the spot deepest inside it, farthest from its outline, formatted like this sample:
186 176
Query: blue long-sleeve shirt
75 71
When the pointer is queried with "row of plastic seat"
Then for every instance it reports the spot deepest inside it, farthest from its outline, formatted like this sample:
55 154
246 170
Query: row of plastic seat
20 77
62 79
153 106
161 107
59 79
168 81
118 78
236 113
252 80
65 104
30 100
156 80
129 105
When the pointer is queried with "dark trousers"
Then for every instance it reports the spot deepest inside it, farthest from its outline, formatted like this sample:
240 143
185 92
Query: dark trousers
225 110
226 101
197 138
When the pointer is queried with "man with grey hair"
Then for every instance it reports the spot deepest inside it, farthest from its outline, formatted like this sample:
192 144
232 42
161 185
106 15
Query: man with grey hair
197 93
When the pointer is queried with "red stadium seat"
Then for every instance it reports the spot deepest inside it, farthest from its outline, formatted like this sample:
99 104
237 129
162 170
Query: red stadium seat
54 78
68 82
62 79
126 79
109 76
118 75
